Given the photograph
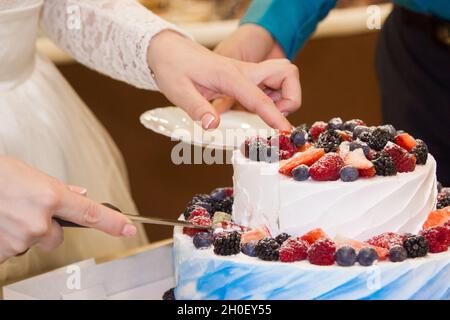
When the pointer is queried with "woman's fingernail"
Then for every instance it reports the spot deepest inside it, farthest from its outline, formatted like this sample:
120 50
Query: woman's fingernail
207 120
129 230
80 190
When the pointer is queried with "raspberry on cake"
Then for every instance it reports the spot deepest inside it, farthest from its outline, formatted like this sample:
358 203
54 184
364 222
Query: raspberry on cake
438 238
387 240
293 249
198 221
322 253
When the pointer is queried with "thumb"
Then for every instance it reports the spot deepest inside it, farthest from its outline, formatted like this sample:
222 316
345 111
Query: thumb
84 211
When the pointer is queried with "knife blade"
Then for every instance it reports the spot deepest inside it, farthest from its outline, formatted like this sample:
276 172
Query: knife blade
139 219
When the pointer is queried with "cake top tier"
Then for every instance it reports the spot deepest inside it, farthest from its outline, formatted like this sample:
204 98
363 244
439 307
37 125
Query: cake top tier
338 150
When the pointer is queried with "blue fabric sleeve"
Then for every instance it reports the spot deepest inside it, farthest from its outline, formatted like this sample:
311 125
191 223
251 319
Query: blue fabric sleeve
291 22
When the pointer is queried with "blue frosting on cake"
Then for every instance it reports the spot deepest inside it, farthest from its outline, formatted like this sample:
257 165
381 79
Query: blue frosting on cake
203 275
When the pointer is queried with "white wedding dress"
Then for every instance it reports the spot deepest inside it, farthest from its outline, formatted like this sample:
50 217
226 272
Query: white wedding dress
44 123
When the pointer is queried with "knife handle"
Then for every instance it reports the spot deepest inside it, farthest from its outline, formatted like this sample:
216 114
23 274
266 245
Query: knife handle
68 224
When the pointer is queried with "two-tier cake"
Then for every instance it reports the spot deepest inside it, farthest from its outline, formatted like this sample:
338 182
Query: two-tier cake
334 211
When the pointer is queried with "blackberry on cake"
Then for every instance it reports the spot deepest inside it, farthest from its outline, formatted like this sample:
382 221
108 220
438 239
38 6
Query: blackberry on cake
322 253
293 249
421 152
267 249
169 294
227 244
203 240
384 164
346 256
438 238
443 198
397 253
378 138
282 237
329 141
416 246
359 130
367 256
225 205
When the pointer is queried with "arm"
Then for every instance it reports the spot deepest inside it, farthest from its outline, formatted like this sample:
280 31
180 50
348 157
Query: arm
110 36
289 22
124 40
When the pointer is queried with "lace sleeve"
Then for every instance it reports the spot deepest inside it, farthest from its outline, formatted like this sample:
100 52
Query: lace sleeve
110 36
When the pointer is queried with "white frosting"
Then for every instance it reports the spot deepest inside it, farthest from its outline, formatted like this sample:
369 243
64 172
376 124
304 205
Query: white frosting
358 210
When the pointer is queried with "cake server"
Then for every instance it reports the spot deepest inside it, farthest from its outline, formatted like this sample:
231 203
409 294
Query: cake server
139 219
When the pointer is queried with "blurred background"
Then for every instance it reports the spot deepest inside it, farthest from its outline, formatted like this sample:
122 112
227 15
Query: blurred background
338 79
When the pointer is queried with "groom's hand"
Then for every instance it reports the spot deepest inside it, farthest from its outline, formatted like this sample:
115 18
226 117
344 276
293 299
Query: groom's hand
250 43
191 76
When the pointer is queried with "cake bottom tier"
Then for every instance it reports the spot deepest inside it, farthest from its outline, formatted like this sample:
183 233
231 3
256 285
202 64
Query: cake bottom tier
203 275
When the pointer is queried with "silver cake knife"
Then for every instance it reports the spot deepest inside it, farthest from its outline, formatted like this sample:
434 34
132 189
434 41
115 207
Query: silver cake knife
139 219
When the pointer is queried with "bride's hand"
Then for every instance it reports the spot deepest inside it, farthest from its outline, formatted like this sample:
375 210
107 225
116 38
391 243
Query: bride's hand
190 76
29 200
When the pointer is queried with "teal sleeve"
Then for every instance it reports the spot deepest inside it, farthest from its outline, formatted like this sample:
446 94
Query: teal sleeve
291 22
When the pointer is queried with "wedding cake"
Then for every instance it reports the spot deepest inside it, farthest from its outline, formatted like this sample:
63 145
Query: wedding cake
338 210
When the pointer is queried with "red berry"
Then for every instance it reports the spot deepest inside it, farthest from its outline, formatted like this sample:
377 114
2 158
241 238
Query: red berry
198 212
406 141
345 135
314 235
198 221
404 161
322 253
317 128
438 238
294 249
387 240
285 146
327 168
307 157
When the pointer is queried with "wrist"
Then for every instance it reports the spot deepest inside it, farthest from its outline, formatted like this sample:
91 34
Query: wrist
161 44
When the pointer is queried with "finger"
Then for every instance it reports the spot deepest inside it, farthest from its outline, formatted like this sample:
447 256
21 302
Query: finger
53 238
254 99
223 104
197 107
283 77
84 211
77 189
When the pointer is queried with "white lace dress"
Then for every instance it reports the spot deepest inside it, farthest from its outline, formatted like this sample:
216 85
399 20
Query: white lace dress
45 123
